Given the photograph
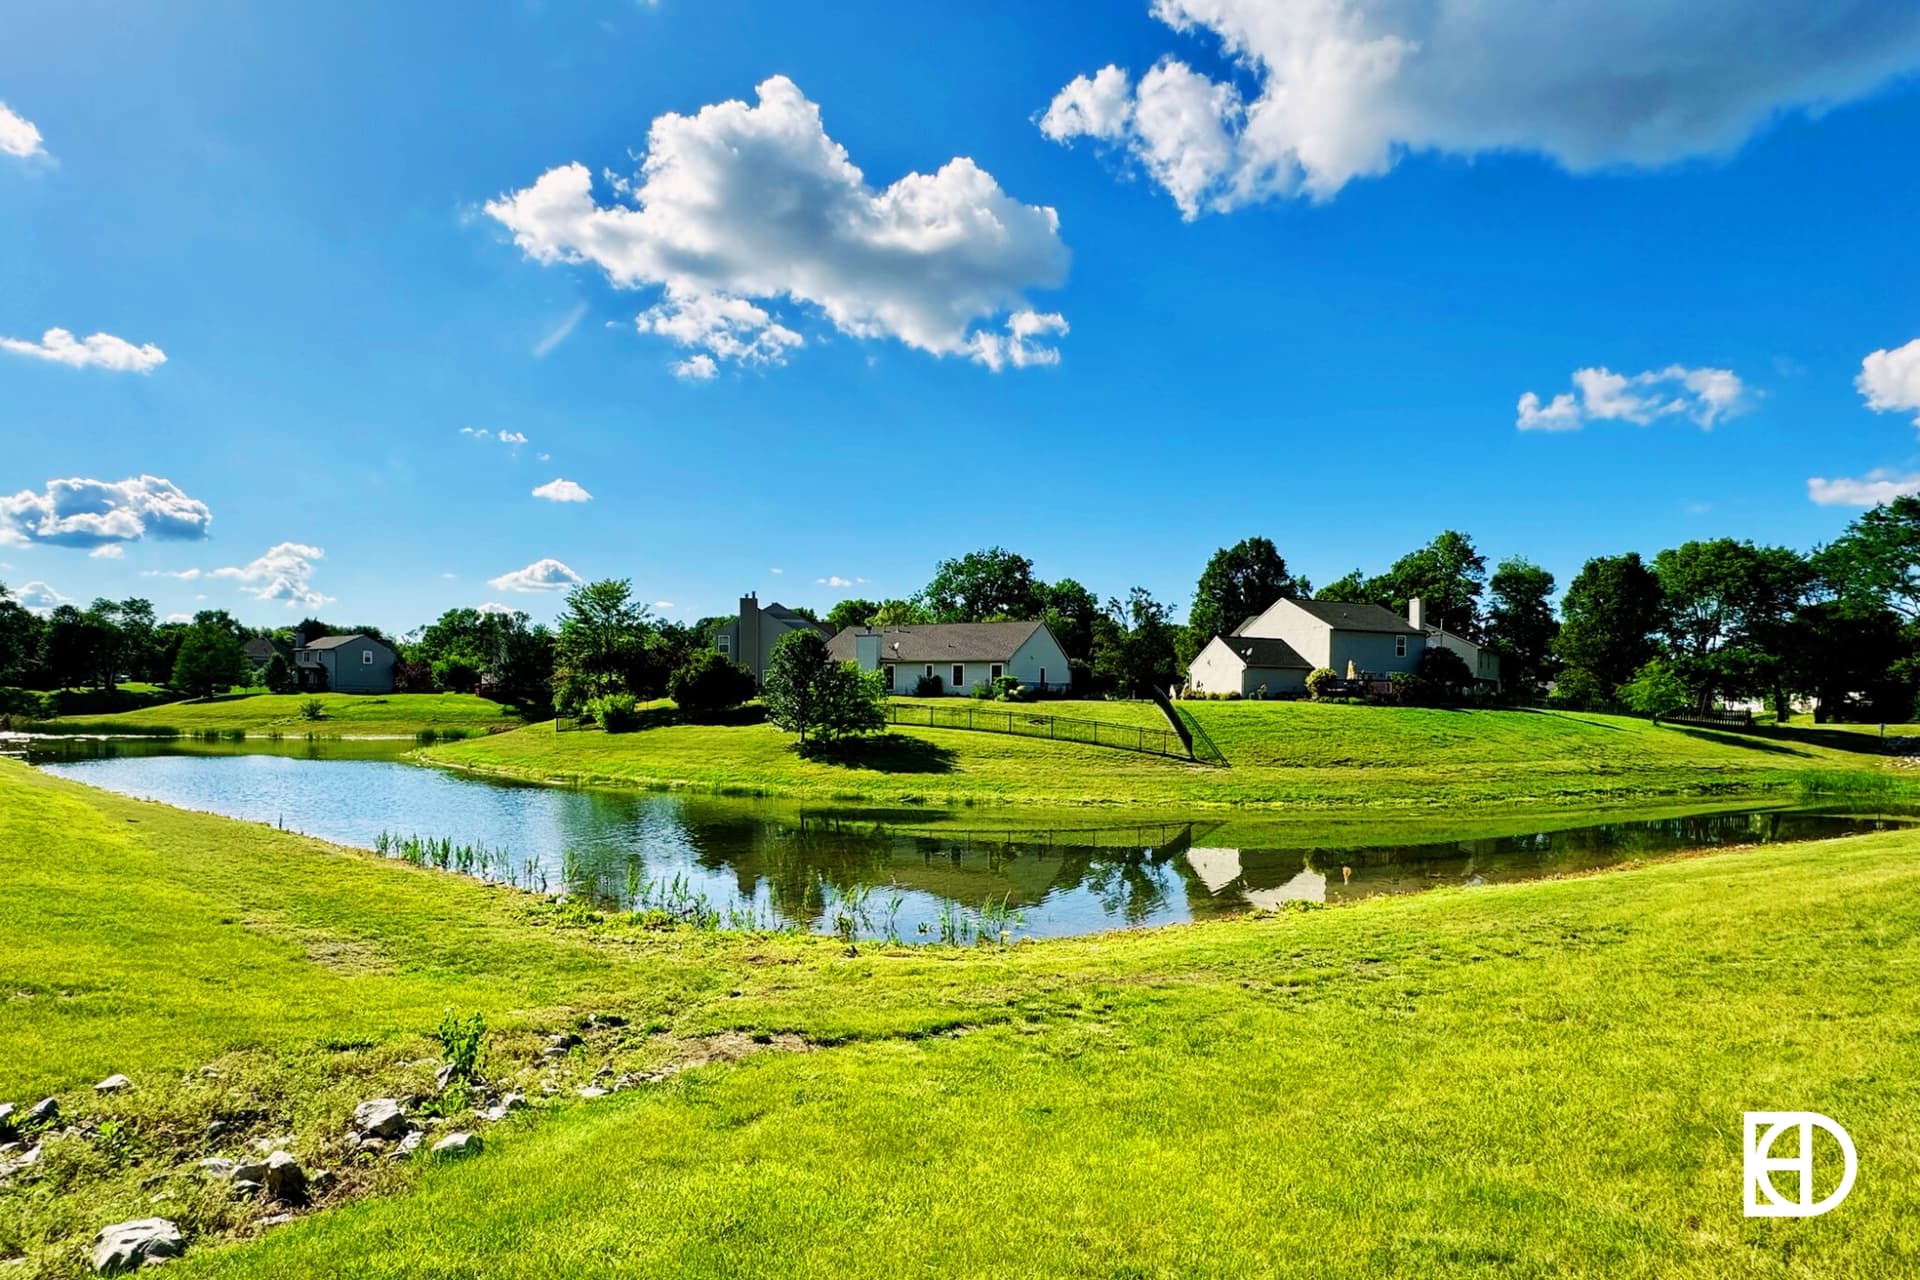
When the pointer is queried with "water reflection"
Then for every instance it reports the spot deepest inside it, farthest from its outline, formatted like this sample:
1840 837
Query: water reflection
913 874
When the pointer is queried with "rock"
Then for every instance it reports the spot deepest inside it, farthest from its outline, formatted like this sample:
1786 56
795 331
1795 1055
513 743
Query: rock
127 1245
45 1111
215 1128
250 1171
115 1083
444 1076
217 1168
602 1021
408 1144
457 1144
278 1219
560 1044
286 1181
380 1118
592 1091
20 1163
247 1188
506 1106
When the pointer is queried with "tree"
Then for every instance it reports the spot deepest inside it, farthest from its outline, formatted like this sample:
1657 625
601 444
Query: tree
20 634
1855 659
1070 610
1607 623
1654 690
1135 650
277 675
456 673
900 613
807 692
1727 608
1238 581
708 683
70 646
1447 575
210 661
603 645
1520 623
983 585
1876 562
1353 588
851 613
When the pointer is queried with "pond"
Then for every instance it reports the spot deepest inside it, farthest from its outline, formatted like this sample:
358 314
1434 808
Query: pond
915 875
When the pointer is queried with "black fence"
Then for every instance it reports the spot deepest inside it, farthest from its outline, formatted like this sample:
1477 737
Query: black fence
1026 724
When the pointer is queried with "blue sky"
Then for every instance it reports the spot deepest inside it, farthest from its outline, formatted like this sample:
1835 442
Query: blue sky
1267 299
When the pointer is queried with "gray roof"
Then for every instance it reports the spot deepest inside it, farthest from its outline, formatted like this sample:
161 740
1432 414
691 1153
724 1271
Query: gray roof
940 641
1359 617
1245 622
334 642
260 647
1262 651
788 616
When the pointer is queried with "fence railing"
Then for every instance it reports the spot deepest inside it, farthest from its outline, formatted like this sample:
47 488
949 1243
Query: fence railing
1026 724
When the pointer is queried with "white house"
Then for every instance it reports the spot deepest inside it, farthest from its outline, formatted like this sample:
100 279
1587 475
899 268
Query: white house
1277 649
960 654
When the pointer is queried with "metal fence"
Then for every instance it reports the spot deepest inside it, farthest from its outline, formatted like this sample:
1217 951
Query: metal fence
1026 724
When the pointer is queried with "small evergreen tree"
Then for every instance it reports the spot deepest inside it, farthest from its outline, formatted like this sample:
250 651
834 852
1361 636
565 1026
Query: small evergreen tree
277 675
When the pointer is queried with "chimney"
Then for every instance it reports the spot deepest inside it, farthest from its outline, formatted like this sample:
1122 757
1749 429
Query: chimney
750 656
1417 613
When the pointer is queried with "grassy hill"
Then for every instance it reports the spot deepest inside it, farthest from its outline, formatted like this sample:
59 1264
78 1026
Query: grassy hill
1510 1081
1283 755
396 714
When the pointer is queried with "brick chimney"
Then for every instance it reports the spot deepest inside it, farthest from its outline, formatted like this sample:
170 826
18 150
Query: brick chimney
1417 613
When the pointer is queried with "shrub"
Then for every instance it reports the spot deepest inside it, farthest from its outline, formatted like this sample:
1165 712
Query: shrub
1008 689
463 1045
456 674
983 691
1411 689
412 676
709 682
312 709
1655 690
615 712
1445 670
929 687
1318 680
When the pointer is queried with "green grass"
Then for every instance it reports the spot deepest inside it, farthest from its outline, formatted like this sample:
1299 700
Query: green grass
393 714
1519 1081
1283 755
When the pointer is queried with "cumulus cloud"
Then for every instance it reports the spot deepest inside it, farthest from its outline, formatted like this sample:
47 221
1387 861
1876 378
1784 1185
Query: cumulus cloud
542 575
1890 380
1705 396
739 206
562 491
96 351
38 597
1872 489
512 439
1341 89
107 551
284 572
18 136
494 606
89 513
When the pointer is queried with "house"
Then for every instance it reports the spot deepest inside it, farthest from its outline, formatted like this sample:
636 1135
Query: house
1277 649
345 664
960 654
750 637
259 651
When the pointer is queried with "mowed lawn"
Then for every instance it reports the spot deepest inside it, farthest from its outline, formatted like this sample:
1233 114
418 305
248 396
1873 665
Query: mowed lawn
393 714
1283 755
1529 1080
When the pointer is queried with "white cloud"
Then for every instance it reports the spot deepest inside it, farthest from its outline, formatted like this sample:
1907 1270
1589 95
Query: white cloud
1705 396
494 606
742 205
542 575
1016 346
38 597
1890 380
1870 490
18 136
512 439
562 491
560 332
284 572
96 351
695 368
107 551
776 572
184 575
1341 89
663 604
834 580
179 617
79 512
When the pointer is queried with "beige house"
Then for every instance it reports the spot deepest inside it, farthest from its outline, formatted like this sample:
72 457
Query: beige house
750 637
959 654
1277 649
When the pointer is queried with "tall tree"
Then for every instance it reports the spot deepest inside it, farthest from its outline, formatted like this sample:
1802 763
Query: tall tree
1070 611
983 585
19 641
1448 575
1136 651
1608 620
602 646
1238 581
901 613
1727 609
851 613
1520 622
1876 562
1356 588
210 661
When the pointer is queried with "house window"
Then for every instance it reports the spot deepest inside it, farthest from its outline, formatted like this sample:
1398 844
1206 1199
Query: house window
366 657
889 678
725 642
996 670
959 676
1399 646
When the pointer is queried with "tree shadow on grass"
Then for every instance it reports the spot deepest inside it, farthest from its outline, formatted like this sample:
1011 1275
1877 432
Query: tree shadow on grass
1736 740
884 753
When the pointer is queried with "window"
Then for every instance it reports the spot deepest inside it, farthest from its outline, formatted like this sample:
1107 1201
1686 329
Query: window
995 671
959 676
1043 677
725 642
366 657
929 668
1399 646
889 678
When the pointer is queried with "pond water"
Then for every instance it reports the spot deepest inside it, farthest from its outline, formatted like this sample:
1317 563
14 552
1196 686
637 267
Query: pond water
916 875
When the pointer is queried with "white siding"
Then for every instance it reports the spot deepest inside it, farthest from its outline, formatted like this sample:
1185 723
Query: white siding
1311 638
1040 660
1216 669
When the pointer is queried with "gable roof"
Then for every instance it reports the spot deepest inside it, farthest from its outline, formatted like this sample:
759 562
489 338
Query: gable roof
1264 651
1357 617
940 641
792 619
334 642
1245 622
259 647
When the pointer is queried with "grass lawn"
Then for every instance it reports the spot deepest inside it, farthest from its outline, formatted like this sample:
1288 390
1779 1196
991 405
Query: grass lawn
1529 1080
398 714
1283 755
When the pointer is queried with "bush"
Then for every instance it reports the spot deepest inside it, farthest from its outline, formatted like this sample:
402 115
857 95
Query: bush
983 691
708 683
456 674
412 676
1317 681
312 709
1445 670
929 687
615 712
1655 690
1411 689
1008 689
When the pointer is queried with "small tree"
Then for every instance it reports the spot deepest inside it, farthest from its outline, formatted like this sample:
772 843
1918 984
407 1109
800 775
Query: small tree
277 675
1445 670
1656 689
456 673
1319 680
210 660
853 701
807 692
708 683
